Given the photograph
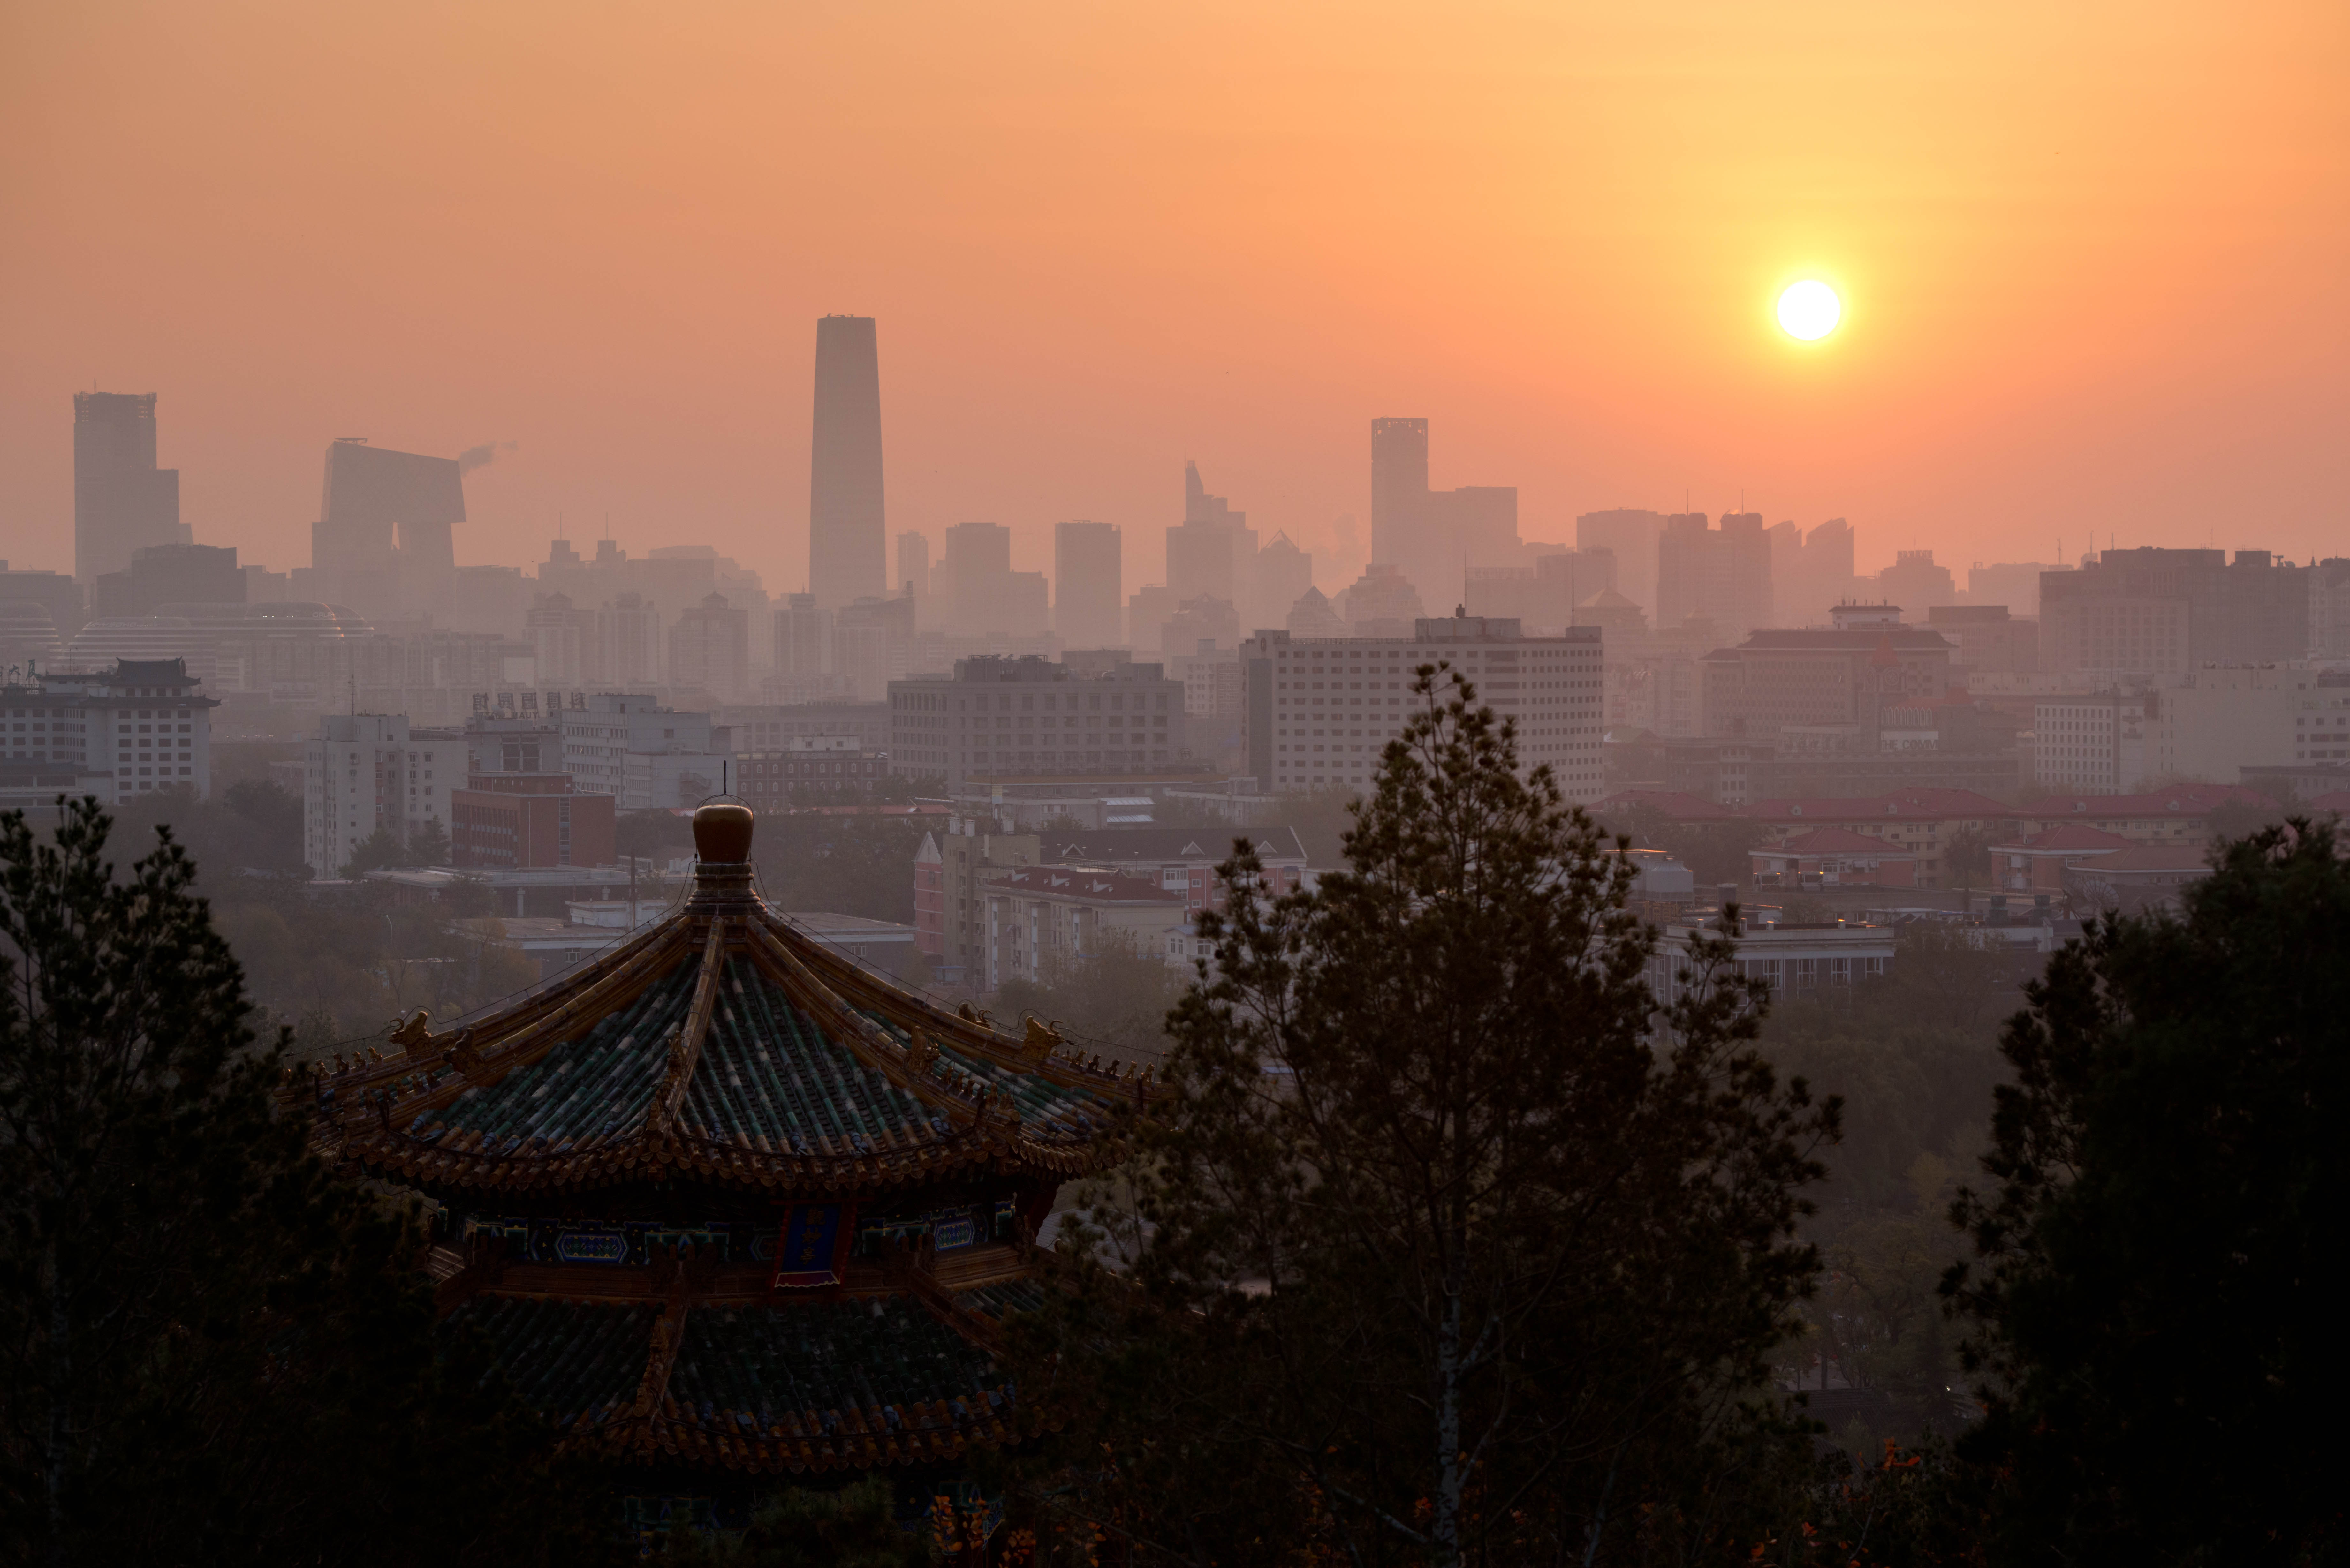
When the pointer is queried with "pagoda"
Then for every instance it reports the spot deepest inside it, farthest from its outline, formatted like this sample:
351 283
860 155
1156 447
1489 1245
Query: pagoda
724 1200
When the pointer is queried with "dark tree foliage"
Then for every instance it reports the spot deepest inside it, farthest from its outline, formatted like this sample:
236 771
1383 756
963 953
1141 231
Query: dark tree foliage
211 1349
798 1527
2156 1303
1451 1248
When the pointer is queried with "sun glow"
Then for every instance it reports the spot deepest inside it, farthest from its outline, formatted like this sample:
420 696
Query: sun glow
1809 309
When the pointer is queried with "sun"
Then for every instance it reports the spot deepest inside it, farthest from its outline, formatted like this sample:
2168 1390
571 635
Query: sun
1809 309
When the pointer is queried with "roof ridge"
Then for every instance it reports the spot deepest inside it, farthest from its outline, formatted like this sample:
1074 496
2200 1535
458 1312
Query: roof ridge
685 1049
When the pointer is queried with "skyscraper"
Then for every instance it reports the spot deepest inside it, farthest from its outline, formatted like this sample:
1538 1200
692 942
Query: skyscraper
123 502
1088 584
1434 536
1398 487
377 507
847 544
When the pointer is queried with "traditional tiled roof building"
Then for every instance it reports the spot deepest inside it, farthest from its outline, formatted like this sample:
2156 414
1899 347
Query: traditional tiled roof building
724 1198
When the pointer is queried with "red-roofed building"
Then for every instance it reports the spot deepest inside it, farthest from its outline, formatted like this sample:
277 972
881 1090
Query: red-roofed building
2037 864
2180 814
1835 858
1922 821
2333 803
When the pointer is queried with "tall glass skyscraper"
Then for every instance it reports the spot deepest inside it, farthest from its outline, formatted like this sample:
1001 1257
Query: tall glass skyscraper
848 544
123 502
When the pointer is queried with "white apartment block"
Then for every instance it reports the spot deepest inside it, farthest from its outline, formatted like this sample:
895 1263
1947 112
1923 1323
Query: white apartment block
1319 713
138 727
1043 920
368 771
2090 743
643 754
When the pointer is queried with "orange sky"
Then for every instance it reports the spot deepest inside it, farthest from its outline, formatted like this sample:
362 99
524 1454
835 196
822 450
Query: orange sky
2093 254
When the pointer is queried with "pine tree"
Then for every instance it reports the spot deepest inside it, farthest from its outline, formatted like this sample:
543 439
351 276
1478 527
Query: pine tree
2157 1293
210 1348
1451 1247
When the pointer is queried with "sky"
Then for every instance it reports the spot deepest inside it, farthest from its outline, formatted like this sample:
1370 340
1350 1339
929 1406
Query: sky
2092 256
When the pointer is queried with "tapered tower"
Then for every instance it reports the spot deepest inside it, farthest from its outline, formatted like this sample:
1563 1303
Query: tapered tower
848 544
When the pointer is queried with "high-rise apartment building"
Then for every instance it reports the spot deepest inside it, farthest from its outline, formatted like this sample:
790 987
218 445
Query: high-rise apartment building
872 645
1088 584
710 649
1434 536
1317 714
846 533
801 632
369 771
1812 573
123 502
1719 574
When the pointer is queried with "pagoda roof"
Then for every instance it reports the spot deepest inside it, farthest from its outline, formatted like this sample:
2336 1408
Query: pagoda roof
724 1045
807 1385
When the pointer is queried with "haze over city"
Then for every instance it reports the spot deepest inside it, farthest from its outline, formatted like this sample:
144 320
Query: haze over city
2091 262
898 785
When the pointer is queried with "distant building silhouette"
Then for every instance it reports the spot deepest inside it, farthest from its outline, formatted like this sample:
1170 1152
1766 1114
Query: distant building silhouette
171 574
384 524
983 594
1632 534
846 536
1720 574
123 502
1088 583
1434 536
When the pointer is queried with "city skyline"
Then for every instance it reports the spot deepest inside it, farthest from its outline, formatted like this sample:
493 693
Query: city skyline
2108 315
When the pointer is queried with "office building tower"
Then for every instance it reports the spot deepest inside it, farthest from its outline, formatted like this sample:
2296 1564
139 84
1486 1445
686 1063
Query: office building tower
1717 574
846 541
1434 536
384 526
1213 550
984 596
914 563
1632 534
1088 583
801 632
123 502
